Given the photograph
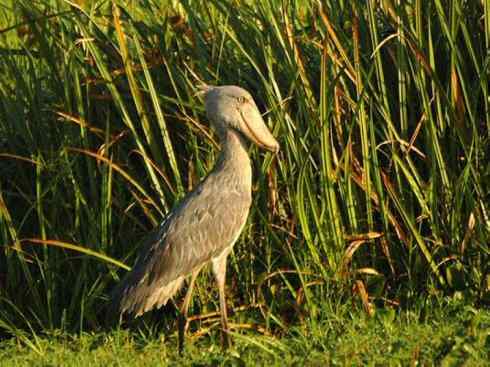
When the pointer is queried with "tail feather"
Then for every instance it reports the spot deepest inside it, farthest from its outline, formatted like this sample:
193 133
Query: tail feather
136 299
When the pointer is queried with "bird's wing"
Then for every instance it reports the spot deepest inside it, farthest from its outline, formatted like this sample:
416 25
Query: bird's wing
205 223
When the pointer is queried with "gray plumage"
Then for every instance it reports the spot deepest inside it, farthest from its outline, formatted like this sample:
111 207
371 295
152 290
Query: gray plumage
207 222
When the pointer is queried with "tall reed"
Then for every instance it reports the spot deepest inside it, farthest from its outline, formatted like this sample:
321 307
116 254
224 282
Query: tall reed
381 187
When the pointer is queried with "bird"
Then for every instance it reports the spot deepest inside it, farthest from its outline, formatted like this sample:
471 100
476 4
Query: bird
206 223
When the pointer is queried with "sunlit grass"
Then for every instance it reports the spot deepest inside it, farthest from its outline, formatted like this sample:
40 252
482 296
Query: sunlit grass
448 335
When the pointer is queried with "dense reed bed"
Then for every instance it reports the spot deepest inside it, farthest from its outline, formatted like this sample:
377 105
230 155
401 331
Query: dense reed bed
379 197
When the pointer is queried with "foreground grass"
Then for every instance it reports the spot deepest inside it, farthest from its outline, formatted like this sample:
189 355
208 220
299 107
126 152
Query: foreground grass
449 334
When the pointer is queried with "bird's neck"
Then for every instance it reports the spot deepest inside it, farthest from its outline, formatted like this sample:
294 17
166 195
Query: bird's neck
234 158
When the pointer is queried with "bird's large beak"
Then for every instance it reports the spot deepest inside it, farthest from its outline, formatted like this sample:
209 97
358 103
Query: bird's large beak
255 129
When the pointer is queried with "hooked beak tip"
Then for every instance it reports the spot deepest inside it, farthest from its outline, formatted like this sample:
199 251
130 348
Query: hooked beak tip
274 148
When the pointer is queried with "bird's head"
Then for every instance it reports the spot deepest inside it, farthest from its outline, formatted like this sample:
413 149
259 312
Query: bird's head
231 107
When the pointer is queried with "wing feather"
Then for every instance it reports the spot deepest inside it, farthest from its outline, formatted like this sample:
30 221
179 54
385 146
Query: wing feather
204 224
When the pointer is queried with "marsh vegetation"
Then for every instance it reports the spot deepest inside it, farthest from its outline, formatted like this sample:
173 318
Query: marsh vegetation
373 219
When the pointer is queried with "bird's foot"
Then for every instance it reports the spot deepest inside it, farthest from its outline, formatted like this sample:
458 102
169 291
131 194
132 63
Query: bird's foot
225 339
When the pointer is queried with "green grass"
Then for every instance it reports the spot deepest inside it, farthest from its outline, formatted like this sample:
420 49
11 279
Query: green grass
379 195
444 335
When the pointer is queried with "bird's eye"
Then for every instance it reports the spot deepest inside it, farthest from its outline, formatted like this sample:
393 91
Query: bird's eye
241 99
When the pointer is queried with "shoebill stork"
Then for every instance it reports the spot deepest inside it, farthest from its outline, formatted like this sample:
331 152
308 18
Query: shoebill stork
204 226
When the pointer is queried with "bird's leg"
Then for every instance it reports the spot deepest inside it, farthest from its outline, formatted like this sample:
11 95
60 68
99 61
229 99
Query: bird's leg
219 269
182 320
